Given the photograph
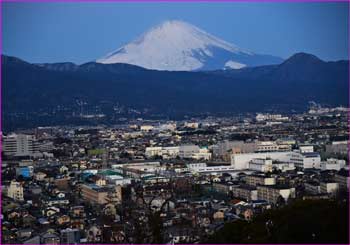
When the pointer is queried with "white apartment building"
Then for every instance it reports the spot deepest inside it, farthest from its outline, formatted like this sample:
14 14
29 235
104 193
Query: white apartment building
306 160
272 193
332 164
223 147
186 151
264 146
203 154
153 151
170 152
15 191
181 170
255 180
286 141
260 165
193 125
20 145
306 148
241 161
338 147
119 181
244 192
138 168
167 127
165 152
274 117
283 166
146 128
203 168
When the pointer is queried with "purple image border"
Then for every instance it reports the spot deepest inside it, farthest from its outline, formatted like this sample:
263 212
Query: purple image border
158 1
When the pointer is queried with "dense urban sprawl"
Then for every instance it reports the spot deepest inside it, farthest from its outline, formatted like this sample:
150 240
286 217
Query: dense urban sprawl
147 181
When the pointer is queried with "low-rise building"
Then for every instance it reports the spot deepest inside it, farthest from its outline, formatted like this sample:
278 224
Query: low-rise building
338 147
332 164
153 151
273 193
245 192
146 128
40 176
261 165
306 160
283 166
312 187
203 168
25 171
329 187
70 236
255 180
193 125
186 151
94 193
203 154
15 191
223 187
241 161
170 152
343 179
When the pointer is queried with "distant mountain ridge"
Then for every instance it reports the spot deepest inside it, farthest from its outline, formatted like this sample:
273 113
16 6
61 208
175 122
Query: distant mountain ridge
179 46
298 67
290 85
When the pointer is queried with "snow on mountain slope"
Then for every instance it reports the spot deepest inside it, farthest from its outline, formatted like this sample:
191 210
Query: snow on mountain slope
233 65
179 46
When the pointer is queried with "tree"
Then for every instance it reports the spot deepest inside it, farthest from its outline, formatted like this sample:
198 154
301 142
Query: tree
280 201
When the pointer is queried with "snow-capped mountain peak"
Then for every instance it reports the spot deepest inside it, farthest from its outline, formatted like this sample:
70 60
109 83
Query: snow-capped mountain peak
179 46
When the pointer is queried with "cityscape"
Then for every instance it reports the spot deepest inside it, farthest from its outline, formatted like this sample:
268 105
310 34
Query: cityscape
176 137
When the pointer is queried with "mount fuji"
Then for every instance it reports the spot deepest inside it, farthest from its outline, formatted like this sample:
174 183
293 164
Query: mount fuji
179 46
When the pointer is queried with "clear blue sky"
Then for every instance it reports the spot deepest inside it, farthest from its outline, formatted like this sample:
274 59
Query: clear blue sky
82 32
